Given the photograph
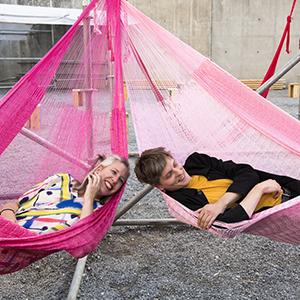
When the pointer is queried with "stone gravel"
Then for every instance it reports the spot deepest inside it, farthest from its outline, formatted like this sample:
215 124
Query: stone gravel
168 262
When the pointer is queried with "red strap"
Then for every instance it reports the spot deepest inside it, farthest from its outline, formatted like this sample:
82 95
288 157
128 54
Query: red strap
286 35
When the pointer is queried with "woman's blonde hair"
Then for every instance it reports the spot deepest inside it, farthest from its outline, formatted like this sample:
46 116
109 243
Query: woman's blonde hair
103 161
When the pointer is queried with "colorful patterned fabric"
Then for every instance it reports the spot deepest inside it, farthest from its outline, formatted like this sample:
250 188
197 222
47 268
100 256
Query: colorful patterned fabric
50 205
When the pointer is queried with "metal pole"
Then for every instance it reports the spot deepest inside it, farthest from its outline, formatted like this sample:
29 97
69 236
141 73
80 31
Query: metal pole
88 84
29 59
299 107
41 141
133 201
290 64
133 222
110 76
75 284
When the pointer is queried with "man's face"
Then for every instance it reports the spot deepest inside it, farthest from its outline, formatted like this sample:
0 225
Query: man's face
173 176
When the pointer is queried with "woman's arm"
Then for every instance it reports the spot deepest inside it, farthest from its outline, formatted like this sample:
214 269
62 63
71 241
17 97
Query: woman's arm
8 210
90 193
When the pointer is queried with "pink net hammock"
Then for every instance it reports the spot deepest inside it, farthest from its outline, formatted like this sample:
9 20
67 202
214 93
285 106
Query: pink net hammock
183 101
76 91
178 99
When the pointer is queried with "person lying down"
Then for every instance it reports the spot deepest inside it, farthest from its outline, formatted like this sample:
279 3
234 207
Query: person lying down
60 201
216 189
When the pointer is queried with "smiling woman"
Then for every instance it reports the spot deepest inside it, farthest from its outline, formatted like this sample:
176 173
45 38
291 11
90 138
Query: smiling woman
60 201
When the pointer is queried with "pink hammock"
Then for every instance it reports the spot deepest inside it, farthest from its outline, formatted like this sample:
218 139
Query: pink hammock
279 223
178 99
20 247
183 101
76 69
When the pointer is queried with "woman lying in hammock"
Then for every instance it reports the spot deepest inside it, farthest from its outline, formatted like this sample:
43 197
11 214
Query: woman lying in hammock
218 190
60 201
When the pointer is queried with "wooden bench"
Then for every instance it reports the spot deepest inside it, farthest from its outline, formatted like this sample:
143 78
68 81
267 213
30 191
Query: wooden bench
168 85
254 84
34 121
79 96
294 90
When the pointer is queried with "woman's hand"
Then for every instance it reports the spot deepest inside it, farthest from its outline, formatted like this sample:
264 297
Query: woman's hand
92 187
91 191
8 210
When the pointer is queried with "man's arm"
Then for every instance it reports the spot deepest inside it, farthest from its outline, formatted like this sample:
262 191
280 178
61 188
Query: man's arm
250 202
244 178
209 213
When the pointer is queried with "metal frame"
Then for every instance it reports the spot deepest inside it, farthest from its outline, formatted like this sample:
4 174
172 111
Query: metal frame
74 287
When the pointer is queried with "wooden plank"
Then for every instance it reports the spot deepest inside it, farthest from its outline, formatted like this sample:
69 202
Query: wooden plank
255 83
34 121
145 85
294 90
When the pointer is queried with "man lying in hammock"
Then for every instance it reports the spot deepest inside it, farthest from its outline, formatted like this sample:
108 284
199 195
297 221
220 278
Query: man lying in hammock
218 190
60 201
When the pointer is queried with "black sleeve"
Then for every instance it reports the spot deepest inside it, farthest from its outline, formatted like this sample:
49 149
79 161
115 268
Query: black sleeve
244 176
194 200
232 215
190 198
292 184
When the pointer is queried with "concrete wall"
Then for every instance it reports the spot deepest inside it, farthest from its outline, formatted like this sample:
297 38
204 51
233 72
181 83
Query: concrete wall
246 34
239 35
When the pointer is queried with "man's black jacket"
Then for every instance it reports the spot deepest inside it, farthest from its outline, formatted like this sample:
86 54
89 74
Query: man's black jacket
244 179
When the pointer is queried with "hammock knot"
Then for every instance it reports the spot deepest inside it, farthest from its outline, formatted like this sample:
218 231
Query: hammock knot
289 19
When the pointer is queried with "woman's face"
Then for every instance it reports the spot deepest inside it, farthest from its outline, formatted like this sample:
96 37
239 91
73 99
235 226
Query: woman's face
112 177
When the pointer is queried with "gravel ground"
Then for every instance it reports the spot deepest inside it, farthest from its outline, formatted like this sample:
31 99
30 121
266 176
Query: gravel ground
170 262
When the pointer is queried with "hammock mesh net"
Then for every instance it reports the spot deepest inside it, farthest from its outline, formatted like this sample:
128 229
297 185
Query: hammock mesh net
72 101
178 99
183 101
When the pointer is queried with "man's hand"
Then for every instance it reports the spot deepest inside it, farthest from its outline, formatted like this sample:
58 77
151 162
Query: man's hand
208 214
270 186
